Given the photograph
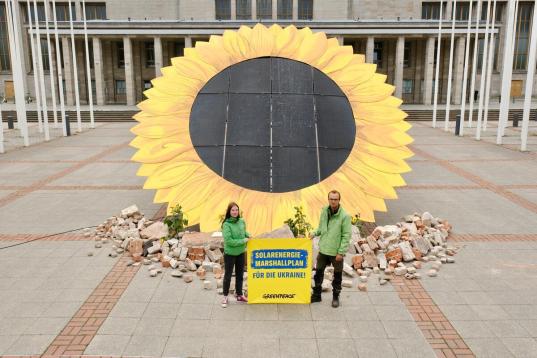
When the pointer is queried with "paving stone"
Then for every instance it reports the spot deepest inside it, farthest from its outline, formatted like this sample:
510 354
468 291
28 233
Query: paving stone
29 344
298 348
111 345
366 329
146 346
488 347
374 348
331 329
330 348
184 347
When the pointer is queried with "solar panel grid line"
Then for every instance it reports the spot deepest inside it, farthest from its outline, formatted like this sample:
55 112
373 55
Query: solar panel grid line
225 128
316 129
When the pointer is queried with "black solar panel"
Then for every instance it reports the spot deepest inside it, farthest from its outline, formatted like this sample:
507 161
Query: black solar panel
272 124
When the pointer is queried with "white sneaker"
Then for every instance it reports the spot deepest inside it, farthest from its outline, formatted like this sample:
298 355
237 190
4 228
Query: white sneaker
224 302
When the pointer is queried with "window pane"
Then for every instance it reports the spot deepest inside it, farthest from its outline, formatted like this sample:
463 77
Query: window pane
62 12
264 9
285 9
44 54
222 9
150 54
121 87
244 9
305 9
5 63
95 11
120 55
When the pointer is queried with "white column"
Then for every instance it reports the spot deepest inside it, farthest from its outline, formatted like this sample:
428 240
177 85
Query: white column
489 68
399 62
42 89
295 9
484 69
254 9
98 70
129 71
158 56
507 71
370 49
59 68
474 65
340 39
67 67
2 150
465 70
88 67
16 68
458 69
51 66
274 9
450 68
36 68
529 81
75 70
437 69
233 9
188 41
428 75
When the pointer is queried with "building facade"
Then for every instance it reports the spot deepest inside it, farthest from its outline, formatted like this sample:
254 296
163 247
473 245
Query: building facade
130 40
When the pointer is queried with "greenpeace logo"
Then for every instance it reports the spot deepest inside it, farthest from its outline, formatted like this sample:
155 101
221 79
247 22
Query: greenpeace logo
278 295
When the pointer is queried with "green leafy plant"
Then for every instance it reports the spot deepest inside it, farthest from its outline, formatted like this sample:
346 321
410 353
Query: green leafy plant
176 221
356 221
299 226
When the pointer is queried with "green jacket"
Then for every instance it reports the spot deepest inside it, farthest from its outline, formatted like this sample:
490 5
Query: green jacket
335 232
234 232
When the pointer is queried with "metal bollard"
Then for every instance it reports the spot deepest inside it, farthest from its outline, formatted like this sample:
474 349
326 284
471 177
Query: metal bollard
67 125
457 124
10 122
516 118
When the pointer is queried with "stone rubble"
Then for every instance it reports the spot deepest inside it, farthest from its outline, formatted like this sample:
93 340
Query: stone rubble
416 243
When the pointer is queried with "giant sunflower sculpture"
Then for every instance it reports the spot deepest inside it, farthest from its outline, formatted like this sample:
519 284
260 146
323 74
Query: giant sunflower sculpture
271 118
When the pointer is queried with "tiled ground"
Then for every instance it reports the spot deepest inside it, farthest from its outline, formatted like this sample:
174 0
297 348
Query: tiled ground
57 299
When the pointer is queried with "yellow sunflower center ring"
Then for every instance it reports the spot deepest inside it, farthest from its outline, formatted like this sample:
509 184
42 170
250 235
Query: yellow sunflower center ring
176 166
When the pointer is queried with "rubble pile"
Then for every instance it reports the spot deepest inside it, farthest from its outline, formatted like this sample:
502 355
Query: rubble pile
402 249
416 243
188 254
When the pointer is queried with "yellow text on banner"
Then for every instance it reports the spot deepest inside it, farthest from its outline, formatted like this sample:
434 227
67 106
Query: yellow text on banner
279 270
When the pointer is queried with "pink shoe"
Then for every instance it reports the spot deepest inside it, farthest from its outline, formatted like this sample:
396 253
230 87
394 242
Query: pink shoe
242 298
224 302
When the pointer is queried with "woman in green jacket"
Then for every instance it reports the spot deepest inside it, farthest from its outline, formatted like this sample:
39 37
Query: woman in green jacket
235 239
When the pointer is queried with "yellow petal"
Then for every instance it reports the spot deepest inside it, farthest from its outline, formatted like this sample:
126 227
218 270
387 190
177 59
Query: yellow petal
311 48
261 41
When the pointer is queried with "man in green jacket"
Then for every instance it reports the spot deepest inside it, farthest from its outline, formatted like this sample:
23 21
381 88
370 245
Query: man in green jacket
335 233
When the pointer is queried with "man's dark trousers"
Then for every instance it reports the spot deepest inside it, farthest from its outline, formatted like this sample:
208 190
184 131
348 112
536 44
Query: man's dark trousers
323 261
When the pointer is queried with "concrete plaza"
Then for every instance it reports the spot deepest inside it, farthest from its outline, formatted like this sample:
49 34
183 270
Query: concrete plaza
57 300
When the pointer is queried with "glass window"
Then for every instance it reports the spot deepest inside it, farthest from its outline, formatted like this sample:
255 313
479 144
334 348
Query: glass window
407 54
462 11
62 11
222 9
5 63
522 35
264 9
431 10
244 9
44 54
305 9
95 11
121 87
408 86
120 54
285 9
40 12
149 48
377 53
178 48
